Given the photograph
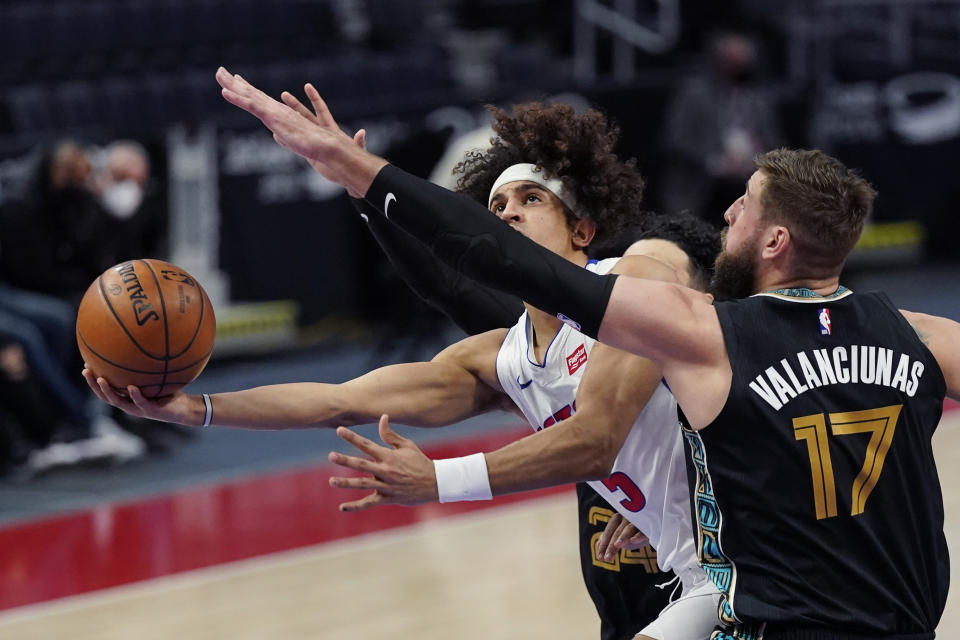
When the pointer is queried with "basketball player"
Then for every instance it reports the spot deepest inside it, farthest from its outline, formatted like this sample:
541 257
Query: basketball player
618 565
621 583
539 364
809 408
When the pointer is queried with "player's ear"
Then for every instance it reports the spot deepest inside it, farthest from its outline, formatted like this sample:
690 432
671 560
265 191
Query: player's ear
583 232
777 242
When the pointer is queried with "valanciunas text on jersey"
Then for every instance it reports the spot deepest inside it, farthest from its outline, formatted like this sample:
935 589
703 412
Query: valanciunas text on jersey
848 364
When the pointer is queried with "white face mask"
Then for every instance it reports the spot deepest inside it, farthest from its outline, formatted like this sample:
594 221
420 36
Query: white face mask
122 199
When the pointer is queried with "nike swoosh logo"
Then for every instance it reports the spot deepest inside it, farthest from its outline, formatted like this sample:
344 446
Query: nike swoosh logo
386 204
524 385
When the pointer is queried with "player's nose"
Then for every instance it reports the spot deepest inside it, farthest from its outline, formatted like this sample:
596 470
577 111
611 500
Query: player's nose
511 211
728 214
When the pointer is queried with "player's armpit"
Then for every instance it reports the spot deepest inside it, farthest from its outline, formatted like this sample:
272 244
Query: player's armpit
941 335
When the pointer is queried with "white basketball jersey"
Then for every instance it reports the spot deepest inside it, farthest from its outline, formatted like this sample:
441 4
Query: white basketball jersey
648 485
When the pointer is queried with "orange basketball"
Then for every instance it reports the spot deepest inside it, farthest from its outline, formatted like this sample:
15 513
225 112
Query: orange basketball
147 323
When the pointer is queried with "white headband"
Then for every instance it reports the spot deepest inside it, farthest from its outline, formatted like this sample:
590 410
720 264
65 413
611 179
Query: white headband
532 173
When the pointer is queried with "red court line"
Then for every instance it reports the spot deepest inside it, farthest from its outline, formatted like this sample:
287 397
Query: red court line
116 544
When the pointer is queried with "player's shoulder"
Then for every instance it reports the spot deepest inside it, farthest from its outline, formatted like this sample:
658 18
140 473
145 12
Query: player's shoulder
644 266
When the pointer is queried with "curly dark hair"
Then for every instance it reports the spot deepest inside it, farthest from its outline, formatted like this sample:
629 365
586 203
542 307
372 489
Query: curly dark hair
699 239
577 148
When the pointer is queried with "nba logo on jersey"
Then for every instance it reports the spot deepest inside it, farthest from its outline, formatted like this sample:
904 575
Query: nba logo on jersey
825 323
577 358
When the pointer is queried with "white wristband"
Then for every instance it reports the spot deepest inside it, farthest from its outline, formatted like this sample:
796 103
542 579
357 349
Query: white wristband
462 478
208 410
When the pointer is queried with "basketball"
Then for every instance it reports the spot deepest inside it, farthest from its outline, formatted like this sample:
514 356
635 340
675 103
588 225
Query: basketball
147 323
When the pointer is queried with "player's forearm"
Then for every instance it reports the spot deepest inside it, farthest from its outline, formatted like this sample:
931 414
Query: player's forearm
467 237
472 306
285 406
416 394
561 454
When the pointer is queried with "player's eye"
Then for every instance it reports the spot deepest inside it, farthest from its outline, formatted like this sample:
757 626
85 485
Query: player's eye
497 208
532 197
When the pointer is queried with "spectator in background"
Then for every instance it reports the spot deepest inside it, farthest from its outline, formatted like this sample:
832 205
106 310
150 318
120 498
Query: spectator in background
137 229
136 219
56 239
716 122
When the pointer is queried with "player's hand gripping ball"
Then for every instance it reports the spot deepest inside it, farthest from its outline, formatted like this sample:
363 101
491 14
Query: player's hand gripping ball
147 323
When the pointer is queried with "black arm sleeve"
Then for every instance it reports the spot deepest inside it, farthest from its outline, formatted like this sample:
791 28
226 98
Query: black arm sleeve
463 234
470 305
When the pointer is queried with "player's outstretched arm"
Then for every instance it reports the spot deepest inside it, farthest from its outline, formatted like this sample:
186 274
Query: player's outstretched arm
455 385
463 234
941 335
458 230
614 389
473 307
582 447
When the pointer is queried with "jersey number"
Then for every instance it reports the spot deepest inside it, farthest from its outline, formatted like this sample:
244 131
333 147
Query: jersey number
635 500
879 423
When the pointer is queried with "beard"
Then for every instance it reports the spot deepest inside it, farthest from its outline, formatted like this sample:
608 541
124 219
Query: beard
734 275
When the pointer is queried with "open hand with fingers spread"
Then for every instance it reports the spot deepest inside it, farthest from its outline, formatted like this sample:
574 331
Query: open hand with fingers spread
316 136
178 407
321 116
619 534
399 473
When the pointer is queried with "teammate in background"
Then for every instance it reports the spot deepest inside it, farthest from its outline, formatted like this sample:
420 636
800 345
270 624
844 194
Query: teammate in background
810 439
539 363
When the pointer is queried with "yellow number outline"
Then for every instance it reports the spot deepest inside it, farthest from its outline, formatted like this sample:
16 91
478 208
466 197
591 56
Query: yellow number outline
880 423
813 429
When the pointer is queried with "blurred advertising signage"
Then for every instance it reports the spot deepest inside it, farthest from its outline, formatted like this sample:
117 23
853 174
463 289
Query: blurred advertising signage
919 108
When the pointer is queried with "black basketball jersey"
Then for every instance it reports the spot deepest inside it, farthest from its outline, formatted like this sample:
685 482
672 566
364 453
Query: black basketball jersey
624 591
817 499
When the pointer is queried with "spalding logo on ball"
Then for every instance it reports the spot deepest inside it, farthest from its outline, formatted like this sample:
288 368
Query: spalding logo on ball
147 323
